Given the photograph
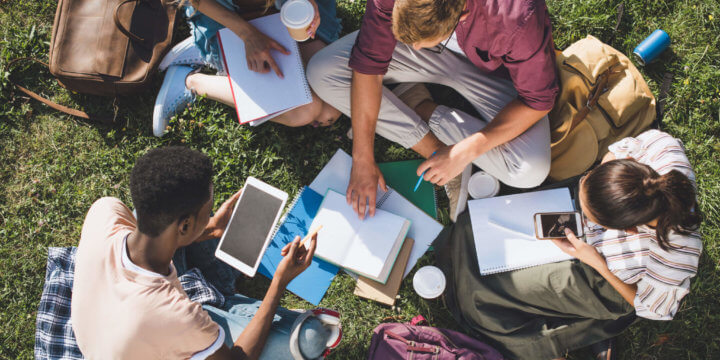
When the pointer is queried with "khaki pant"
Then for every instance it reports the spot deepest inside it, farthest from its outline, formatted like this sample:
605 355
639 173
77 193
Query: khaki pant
523 162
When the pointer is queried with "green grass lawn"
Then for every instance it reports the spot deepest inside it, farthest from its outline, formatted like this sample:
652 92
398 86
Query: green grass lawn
54 166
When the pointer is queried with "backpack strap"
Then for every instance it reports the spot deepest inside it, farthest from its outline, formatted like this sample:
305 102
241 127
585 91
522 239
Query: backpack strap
50 103
419 320
620 11
662 99
599 89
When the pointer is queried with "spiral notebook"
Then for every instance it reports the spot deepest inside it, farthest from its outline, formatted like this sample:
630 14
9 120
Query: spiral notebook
260 97
313 283
503 228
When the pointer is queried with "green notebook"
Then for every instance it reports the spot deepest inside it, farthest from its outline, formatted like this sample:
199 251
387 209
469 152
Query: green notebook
401 176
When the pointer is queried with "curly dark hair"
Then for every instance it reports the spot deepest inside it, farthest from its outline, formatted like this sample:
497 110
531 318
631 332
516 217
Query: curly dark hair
167 185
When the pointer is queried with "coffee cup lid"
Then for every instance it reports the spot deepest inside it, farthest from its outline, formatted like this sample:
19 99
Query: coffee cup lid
429 282
297 13
483 185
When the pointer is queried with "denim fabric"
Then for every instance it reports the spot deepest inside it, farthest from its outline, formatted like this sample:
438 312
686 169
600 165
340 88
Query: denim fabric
204 29
238 312
202 256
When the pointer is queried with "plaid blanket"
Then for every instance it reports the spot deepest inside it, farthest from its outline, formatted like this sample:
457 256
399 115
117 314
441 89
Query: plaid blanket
54 338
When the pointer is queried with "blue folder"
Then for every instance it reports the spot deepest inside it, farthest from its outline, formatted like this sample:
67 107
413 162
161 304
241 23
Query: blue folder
312 283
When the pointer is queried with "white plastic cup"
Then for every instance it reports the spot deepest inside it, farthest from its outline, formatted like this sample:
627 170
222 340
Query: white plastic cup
297 15
483 185
429 282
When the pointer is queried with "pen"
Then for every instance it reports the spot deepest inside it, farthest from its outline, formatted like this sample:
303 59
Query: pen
423 174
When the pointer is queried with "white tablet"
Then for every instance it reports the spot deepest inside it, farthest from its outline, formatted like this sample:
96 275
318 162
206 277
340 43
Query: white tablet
247 235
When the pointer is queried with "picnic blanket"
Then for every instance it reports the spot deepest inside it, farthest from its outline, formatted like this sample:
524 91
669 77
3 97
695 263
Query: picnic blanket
54 337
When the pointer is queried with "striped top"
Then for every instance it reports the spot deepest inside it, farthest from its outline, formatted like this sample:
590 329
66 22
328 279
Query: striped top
662 277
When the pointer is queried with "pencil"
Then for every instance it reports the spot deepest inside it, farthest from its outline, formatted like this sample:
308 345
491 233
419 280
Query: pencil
310 235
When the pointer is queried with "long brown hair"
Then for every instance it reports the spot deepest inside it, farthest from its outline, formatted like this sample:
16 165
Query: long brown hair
624 193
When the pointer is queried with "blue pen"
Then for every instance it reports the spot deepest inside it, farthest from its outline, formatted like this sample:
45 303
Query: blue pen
423 174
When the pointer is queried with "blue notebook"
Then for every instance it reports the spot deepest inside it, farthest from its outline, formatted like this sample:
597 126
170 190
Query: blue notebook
312 283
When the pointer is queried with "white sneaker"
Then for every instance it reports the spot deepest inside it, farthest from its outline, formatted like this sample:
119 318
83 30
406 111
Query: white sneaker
457 192
184 53
173 96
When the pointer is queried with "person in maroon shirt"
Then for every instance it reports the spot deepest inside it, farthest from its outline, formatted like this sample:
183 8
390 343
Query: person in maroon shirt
497 54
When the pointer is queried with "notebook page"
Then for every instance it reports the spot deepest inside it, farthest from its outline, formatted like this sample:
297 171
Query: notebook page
259 95
424 229
360 245
503 230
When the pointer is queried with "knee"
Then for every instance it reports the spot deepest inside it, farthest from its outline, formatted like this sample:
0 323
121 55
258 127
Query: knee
306 114
533 171
322 67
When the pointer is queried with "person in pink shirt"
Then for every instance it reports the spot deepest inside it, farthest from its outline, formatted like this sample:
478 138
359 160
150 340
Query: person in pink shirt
127 301
499 55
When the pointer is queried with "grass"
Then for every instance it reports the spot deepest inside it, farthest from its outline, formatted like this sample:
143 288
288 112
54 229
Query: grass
53 166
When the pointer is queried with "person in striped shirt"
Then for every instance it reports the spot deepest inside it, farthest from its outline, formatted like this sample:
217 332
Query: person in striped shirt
642 223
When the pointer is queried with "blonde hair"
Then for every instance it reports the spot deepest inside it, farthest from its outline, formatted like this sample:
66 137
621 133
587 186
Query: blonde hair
417 20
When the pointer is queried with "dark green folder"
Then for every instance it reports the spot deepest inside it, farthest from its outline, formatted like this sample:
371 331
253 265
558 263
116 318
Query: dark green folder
401 176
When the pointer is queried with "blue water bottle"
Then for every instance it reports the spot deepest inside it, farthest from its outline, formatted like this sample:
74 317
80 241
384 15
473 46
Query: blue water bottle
651 47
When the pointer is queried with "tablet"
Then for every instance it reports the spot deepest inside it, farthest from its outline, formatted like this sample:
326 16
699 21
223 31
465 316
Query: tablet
247 235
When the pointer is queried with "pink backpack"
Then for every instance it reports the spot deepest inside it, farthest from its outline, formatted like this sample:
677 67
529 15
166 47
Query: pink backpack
395 341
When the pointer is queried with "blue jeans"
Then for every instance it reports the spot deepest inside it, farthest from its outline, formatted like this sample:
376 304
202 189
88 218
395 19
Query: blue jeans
239 310
204 29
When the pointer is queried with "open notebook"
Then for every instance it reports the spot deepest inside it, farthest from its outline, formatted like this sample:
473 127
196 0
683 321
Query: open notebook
503 230
260 97
367 247
424 229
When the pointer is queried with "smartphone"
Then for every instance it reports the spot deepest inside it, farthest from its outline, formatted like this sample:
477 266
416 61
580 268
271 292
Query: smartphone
247 235
552 225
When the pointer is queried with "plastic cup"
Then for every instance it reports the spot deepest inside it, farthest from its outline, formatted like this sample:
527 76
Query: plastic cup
483 185
429 282
297 15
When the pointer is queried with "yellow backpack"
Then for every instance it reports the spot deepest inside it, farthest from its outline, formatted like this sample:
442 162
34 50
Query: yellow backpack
603 98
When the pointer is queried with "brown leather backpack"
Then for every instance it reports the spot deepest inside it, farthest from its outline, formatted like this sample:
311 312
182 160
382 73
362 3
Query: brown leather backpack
107 47
603 98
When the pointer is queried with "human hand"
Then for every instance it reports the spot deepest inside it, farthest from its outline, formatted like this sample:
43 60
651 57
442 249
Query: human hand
218 222
312 29
295 259
581 250
258 52
447 163
362 189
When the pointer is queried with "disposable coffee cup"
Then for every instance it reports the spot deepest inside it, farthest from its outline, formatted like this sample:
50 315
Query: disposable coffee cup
483 185
429 282
297 15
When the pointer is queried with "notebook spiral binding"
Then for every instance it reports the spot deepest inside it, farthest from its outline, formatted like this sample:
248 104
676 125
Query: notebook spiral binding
383 198
288 209
308 92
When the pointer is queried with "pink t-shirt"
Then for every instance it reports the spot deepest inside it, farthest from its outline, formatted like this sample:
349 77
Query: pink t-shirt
118 313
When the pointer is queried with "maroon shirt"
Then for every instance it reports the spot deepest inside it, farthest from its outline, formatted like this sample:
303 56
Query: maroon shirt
507 38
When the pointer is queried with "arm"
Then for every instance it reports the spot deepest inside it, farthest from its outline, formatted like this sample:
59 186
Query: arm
250 343
366 94
531 65
449 161
257 44
587 254
218 222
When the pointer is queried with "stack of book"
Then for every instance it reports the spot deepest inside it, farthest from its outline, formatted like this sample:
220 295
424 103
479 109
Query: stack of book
380 250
